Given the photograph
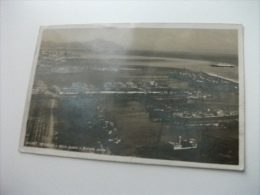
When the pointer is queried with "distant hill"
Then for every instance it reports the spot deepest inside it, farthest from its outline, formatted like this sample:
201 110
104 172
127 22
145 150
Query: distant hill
108 47
96 46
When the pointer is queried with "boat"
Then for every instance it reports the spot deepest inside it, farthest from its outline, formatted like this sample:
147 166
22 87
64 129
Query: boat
222 65
186 144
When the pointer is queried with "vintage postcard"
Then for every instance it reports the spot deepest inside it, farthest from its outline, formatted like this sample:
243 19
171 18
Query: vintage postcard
163 94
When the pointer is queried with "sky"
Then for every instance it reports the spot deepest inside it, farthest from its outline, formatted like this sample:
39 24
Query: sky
223 41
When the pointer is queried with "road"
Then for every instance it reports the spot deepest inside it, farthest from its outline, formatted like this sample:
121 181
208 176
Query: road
50 133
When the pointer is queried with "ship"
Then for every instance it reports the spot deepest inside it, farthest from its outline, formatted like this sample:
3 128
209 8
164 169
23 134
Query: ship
222 65
186 144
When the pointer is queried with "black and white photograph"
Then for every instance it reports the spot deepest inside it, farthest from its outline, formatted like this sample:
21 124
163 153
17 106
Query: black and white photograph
162 94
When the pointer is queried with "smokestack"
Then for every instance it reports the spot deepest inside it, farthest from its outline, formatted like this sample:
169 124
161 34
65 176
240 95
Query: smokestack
179 140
